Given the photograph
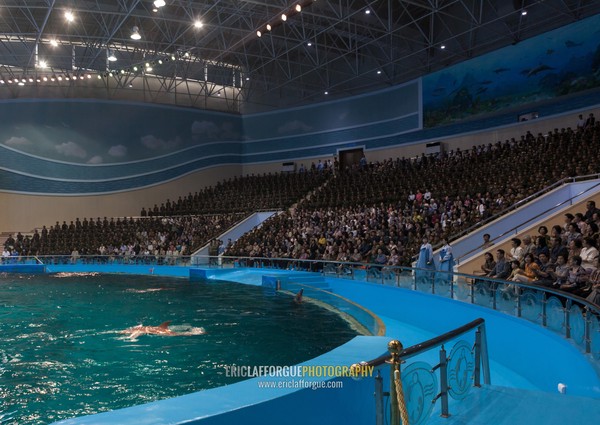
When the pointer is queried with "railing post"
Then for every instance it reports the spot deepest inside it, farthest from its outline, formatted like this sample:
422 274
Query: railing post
452 288
477 371
379 413
485 360
494 295
444 382
518 292
544 310
568 318
587 338
472 293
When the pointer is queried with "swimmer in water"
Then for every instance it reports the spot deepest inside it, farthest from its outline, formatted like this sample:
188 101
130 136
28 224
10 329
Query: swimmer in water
162 329
298 296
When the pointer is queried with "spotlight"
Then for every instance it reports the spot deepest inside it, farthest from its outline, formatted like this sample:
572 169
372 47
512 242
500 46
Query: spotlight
159 3
53 42
309 44
367 11
149 69
135 35
111 56
30 80
258 34
69 16
99 76
298 8
81 77
2 81
443 46
9 81
283 17
45 78
38 80
173 58
59 78
379 72
269 27
198 24
21 84
186 54
326 92
89 76
53 78
122 71
160 62
523 12
135 68
23 80
43 64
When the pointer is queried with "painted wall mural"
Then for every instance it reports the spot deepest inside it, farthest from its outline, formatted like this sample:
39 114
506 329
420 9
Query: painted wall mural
97 132
558 63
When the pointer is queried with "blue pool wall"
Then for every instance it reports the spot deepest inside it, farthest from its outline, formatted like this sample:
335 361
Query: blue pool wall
540 359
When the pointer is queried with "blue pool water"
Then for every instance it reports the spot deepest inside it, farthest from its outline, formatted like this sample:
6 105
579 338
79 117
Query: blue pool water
62 353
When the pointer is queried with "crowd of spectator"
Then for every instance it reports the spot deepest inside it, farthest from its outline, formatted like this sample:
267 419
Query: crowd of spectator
159 237
391 205
374 212
270 191
565 258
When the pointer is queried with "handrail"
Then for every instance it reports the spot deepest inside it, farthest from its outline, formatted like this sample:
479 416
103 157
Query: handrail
511 230
430 343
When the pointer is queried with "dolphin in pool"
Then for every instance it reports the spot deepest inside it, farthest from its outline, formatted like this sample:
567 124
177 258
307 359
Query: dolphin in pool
162 329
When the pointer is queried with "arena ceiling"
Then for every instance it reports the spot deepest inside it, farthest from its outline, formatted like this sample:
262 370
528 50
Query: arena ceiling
208 54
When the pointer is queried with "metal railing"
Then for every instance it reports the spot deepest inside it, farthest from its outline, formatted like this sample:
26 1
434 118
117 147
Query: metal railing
471 359
514 229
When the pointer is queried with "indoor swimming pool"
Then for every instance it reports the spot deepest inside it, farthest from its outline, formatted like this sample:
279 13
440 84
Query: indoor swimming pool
63 353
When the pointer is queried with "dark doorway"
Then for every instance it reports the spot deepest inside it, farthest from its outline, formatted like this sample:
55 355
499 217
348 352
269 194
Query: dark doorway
350 157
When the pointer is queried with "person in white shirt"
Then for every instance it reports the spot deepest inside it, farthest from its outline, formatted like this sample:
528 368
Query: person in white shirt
589 254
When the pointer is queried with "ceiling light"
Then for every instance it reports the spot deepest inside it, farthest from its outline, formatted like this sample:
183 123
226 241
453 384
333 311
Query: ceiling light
326 92
30 80
283 17
443 46
154 9
9 81
43 64
309 44
378 72
258 33
159 3
111 56
59 78
23 80
135 35
69 16
99 76
2 81
186 54
298 8
368 11
89 76
21 84
269 27
53 42
52 78
198 24
45 78
523 12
